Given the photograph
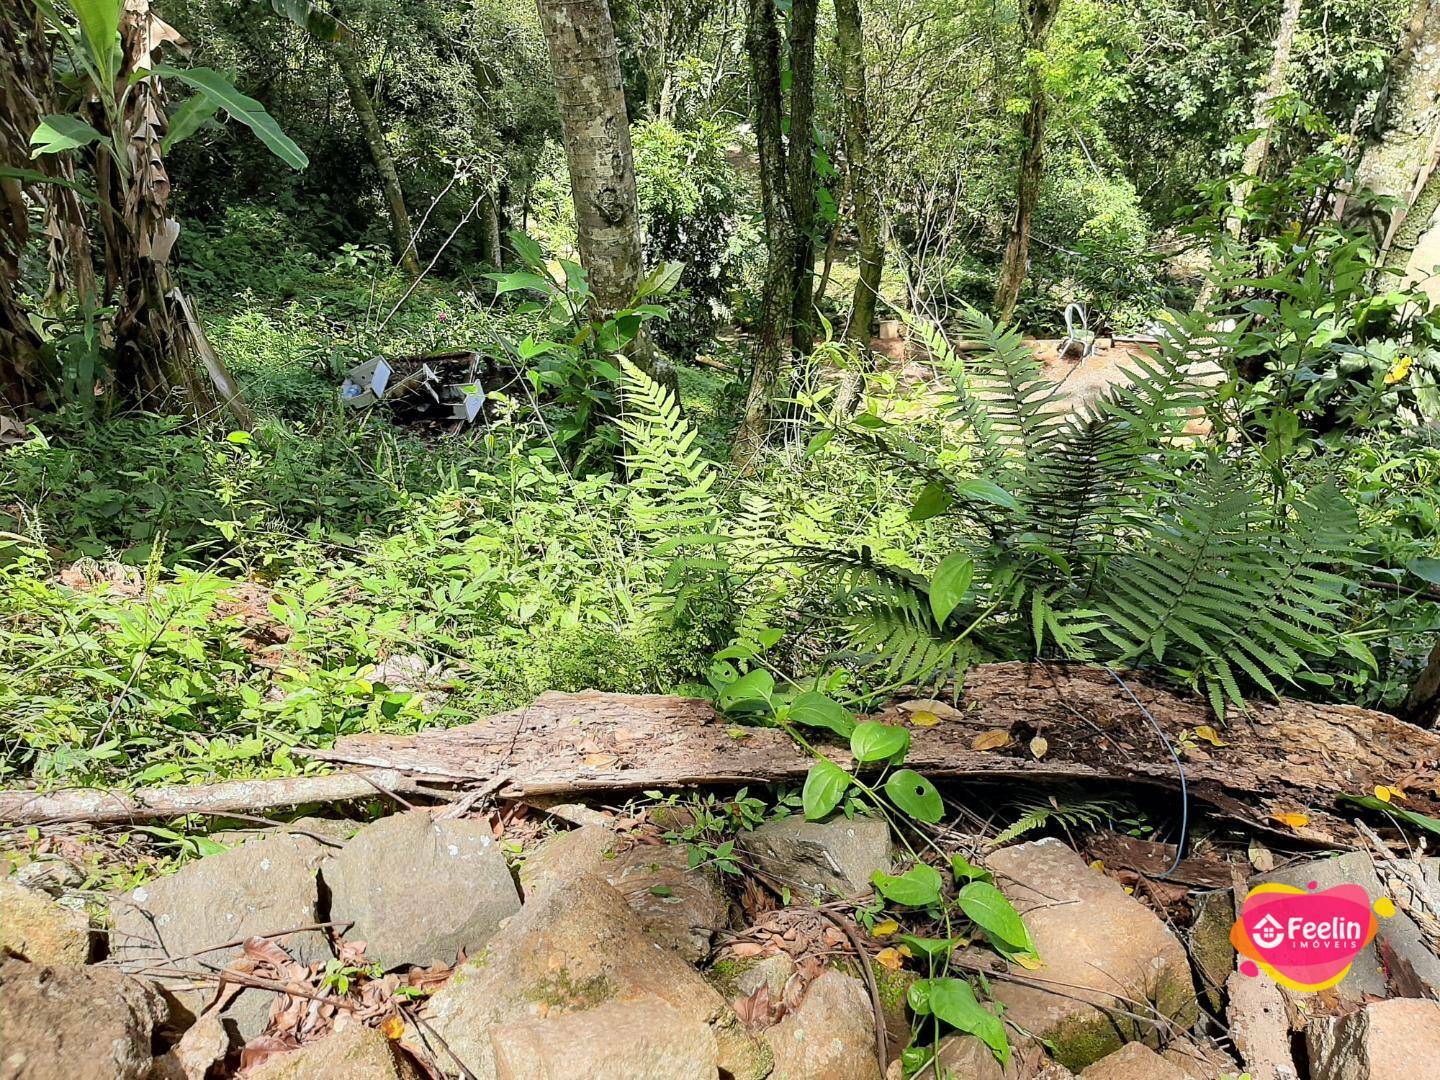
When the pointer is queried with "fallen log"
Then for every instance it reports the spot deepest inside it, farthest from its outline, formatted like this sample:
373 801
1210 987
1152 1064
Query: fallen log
1281 758
99 806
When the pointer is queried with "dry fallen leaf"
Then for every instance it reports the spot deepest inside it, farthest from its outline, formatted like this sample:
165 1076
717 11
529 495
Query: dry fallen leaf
935 707
885 928
991 740
1208 733
393 1027
1028 961
1098 866
600 761
1385 793
1261 857
889 959
924 718
1039 746
1292 820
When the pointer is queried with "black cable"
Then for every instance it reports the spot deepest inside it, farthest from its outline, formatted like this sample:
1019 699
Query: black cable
1184 791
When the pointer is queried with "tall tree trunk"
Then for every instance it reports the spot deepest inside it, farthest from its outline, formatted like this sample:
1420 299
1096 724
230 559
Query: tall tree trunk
1039 18
1402 139
595 128
1422 704
850 42
773 339
800 171
403 236
1252 162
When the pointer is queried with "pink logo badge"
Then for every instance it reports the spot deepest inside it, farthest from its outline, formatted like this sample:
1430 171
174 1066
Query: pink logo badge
1301 938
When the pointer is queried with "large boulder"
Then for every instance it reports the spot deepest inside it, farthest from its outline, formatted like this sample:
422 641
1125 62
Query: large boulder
1120 975
680 906
821 858
418 891
831 1036
352 1052
1397 1039
177 929
571 949
35 928
75 1023
638 1039
1134 1061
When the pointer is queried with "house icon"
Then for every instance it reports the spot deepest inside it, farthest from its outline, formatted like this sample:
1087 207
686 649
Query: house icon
1267 932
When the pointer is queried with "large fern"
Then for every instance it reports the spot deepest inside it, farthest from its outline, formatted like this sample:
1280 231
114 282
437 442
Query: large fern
1111 533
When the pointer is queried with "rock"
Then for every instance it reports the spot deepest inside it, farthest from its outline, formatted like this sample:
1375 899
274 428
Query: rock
1133 1061
581 852
75 1023
831 1036
418 891
680 907
966 1056
772 972
35 928
50 874
1210 947
202 1045
640 1039
1101 945
352 1051
1397 1039
821 858
262 887
1260 1027
1199 1061
578 814
1399 933
570 949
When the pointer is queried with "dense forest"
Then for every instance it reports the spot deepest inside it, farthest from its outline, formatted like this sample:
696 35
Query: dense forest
369 367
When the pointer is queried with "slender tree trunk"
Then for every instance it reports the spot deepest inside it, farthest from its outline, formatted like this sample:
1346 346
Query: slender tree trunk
1252 162
403 236
1403 136
596 131
773 338
491 253
850 42
1422 704
800 171
1039 18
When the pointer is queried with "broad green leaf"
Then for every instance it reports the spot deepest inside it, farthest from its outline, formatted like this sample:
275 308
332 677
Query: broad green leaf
987 491
59 132
526 249
965 870
1425 569
660 281
985 906
917 887
193 114
1420 821
934 948
953 1001
752 689
816 710
517 280
947 588
873 741
932 501
239 107
100 29
915 795
825 786
30 176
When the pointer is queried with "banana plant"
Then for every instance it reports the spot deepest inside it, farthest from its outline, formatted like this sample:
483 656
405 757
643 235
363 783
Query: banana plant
93 29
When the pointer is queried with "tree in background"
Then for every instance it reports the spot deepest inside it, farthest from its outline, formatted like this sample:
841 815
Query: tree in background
850 52
1039 16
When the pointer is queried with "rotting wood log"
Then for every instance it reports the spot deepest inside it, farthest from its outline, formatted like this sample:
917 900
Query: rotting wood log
1282 757
99 806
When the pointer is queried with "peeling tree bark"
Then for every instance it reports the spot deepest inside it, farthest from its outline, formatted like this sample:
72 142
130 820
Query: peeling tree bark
1039 18
850 45
1403 137
1253 161
401 232
800 171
